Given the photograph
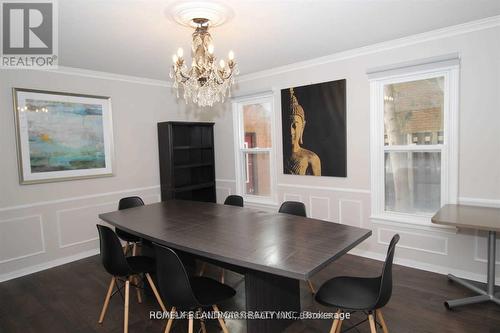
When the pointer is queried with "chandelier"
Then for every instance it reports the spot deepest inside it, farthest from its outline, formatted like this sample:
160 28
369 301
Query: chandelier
205 82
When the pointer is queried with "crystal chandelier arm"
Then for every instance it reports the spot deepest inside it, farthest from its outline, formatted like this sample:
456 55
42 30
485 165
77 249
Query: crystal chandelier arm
182 75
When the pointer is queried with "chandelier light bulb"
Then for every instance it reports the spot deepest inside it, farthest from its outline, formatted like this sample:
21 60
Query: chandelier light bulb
175 58
222 63
211 48
180 52
231 55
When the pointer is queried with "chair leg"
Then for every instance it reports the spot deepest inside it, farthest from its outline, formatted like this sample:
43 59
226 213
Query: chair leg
381 320
202 323
373 328
125 248
222 275
155 291
127 296
339 328
203 267
134 249
170 320
138 289
190 325
336 322
311 286
221 320
106 300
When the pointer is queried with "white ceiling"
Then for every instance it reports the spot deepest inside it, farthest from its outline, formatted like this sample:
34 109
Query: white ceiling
137 38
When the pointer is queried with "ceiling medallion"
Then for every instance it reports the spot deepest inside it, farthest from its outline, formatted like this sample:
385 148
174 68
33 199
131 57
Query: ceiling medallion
204 82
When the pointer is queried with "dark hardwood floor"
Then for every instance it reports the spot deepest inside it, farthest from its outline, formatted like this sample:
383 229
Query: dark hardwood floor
68 298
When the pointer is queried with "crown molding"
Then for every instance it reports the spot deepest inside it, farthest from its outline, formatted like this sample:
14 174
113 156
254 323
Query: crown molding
106 76
477 25
482 24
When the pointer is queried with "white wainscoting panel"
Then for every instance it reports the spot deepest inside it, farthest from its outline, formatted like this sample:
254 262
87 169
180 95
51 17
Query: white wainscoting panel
415 241
222 193
21 237
77 226
292 197
351 212
481 247
319 207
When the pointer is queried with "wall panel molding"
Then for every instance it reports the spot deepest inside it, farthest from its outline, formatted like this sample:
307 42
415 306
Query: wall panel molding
481 257
223 180
312 209
439 269
47 265
83 197
60 237
113 204
325 188
360 211
292 197
421 237
42 237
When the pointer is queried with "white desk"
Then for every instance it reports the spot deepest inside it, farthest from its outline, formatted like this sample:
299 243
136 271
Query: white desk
478 218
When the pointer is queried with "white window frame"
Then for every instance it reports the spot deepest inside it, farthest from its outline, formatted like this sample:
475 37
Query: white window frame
240 149
448 149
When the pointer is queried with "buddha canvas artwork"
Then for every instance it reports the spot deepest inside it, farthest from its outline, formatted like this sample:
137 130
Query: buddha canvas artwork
314 129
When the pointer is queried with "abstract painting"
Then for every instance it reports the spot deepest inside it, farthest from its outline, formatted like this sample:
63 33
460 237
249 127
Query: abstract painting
62 136
314 129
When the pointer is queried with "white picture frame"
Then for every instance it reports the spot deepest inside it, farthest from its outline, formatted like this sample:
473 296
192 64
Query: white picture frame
62 136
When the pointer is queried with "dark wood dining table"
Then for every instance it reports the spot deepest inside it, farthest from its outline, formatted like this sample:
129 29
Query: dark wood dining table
274 251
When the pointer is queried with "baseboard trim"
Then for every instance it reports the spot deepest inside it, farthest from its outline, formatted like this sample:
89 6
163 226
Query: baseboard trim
424 266
357 252
47 265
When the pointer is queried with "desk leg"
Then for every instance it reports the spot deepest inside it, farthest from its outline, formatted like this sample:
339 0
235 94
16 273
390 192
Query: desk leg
268 292
484 295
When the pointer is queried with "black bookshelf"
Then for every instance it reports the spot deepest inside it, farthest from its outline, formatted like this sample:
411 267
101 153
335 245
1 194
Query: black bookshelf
187 164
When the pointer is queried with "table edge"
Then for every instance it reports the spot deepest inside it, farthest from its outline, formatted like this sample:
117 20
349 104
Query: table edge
247 265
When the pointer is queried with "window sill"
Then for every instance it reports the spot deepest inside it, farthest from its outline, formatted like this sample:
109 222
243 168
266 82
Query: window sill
412 222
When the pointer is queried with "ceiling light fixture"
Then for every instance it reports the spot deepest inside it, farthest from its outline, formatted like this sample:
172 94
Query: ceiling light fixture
204 82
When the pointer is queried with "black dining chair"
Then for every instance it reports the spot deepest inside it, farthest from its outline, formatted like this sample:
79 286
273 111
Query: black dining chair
299 209
123 269
231 200
370 295
185 293
234 200
294 208
125 203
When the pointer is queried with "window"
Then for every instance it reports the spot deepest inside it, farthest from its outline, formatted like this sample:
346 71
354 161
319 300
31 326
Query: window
414 133
254 155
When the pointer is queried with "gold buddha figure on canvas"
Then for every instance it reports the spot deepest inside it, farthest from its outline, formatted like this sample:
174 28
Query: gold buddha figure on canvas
301 161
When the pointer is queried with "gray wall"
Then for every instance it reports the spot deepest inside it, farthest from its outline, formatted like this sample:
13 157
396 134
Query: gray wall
347 200
48 224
